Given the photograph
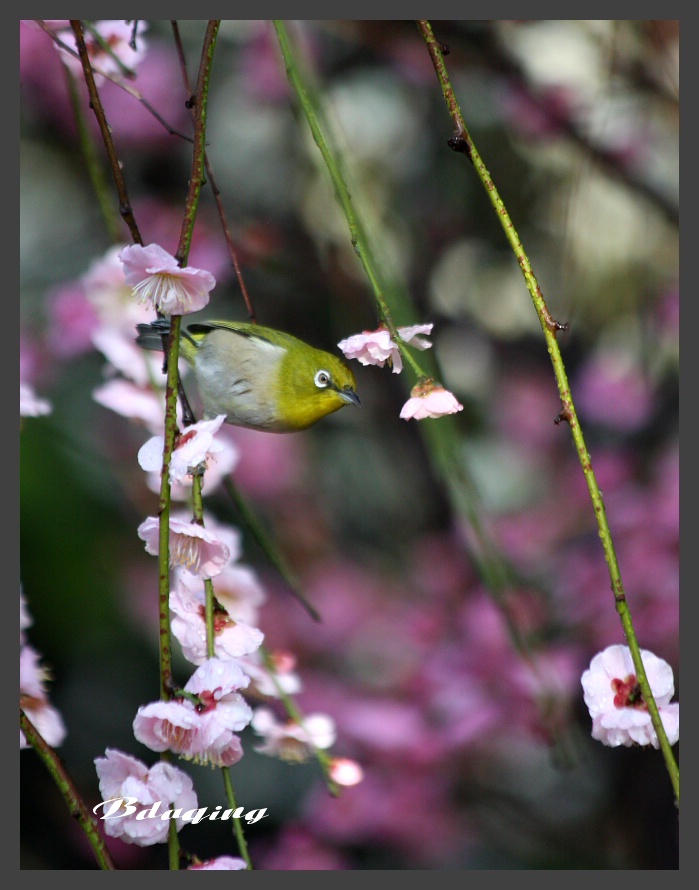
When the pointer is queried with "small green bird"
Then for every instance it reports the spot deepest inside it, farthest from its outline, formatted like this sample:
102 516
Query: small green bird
259 377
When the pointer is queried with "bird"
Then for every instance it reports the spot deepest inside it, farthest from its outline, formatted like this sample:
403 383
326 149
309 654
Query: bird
258 377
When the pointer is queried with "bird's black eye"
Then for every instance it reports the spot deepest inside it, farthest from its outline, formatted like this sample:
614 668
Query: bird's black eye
322 379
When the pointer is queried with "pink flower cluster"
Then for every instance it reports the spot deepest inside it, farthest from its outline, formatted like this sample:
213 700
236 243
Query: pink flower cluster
206 731
201 722
124 777
427 398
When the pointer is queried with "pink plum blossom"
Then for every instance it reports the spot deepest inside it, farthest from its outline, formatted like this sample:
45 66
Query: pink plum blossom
72 320
230 536
132 401
232 638
410 336
124 355
223 711
377 347
192 546
33 698
204 733
126 777
372 348
218 681
157 280
108 293
290 740
429 399
614 699
168 726
221 746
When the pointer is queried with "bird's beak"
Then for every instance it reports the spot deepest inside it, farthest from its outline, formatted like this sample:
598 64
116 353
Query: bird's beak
350 396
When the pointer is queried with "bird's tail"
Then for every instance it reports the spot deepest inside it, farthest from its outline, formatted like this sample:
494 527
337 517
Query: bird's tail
152 334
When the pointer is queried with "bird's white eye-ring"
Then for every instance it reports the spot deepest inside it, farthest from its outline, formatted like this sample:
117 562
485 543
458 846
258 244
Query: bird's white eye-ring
322 379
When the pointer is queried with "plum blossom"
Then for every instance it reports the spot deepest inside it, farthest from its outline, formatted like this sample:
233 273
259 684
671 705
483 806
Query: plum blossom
224 710
345 772
429 399
613 697
168 726
274 679
230 536
205 732
194 446
240 592
377 347
116 34
192 546
110 296
130 400
123 776
231 638
220 464
123 355
290 740
34 701
157 279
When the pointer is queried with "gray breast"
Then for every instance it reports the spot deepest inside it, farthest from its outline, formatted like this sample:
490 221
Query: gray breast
236 376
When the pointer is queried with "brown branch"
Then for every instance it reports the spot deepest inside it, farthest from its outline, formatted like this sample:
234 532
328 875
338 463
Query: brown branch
96 105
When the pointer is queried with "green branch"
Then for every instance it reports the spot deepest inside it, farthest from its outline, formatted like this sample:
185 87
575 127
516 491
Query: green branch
440 438
74 802
461 141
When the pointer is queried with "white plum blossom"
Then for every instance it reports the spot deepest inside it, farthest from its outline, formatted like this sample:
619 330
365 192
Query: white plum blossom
292 741
192 546
613 697
194 445
231 638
